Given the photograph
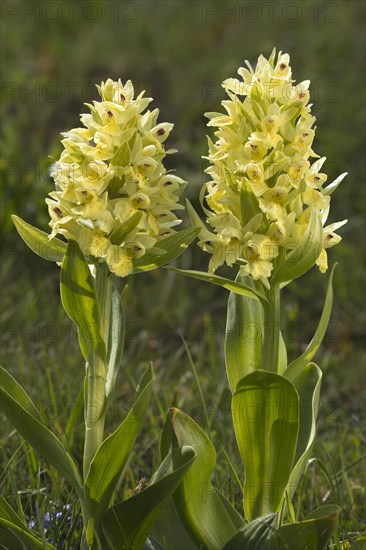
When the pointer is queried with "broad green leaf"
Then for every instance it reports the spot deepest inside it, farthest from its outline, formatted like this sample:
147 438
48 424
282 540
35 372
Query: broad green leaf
307 383
118 235
14 533
304 253
243 336
256 535
78 297
315 343
38 241
16 409
127 525
173 246
313 533
111 457
233 286
169 531
11 386
266 423
232 512
7 512
14 537
200 507
116 342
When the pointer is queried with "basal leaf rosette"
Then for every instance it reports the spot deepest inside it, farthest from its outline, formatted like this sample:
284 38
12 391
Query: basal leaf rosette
113 194
266 183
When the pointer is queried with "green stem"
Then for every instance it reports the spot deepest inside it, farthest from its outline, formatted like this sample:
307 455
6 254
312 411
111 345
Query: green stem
94 417
96 373
271 336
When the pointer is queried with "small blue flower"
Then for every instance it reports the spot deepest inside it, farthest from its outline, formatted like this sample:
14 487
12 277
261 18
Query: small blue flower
47 520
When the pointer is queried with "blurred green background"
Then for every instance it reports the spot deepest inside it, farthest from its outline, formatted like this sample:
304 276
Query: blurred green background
179 52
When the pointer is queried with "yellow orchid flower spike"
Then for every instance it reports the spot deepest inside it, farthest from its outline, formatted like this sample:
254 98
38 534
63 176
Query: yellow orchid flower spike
110 175
261 164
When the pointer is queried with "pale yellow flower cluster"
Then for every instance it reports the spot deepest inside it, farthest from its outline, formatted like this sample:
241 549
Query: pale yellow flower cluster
263 185
113 194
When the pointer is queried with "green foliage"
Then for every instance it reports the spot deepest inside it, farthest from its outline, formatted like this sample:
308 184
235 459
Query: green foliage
304 254
111 457
117 236
128 524
19 409
256 535
243 335
262 533
169 248
298 364
307 383
77 290
266 423
311 534
38 241
207 516
14 533
169 531
338 415
104 459
234 286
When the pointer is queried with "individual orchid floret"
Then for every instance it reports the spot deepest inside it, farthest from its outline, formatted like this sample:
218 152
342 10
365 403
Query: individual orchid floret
113 194
263 168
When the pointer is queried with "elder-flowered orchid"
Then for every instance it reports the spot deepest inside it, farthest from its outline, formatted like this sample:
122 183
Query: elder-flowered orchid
115 203
113 194
261 168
